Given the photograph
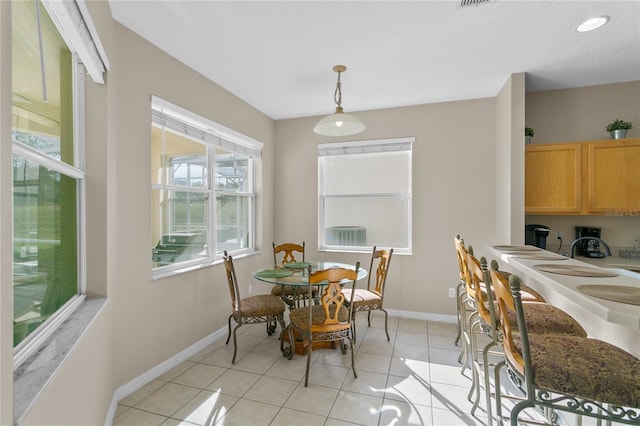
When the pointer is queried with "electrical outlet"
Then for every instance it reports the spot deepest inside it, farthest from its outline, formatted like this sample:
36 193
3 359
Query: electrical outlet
250 289
452 292
559 235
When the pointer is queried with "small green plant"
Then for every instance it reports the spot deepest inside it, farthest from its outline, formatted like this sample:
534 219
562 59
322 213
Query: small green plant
619 125
528 131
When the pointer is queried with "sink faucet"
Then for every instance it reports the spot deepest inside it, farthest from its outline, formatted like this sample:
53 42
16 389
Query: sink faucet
573 245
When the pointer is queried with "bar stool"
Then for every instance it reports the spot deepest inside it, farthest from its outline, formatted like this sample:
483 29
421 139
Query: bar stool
541 318
575 374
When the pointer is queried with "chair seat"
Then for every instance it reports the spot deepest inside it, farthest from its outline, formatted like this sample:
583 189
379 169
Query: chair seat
363 298
584 367
261 305
541 318
300 317
292 290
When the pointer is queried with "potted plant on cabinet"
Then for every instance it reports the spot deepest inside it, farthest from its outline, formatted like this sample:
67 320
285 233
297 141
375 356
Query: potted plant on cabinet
528 134
618 128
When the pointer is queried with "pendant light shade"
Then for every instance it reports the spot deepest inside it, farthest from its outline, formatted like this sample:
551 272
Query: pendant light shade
339 123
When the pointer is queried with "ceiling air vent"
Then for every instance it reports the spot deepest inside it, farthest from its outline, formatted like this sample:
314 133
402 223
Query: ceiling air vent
467 3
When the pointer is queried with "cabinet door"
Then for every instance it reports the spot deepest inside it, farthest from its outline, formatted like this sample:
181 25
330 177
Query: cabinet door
553 175
614 177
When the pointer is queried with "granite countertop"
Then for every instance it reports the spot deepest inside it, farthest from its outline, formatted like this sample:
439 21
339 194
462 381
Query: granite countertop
613 262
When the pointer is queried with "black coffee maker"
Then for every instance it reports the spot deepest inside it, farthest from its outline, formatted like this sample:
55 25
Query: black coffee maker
588 248
536 235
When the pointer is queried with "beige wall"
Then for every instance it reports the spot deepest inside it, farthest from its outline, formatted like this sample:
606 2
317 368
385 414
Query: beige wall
583 113
453 192
577 115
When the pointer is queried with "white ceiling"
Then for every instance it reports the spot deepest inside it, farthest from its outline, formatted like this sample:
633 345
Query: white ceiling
278 55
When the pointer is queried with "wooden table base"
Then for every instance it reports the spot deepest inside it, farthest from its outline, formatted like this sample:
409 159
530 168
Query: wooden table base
301 347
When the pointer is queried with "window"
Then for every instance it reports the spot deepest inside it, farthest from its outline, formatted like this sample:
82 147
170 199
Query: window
365 195
48 174
195 161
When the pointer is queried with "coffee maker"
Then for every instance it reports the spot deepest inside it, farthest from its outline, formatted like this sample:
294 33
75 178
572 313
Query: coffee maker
536 235
588 248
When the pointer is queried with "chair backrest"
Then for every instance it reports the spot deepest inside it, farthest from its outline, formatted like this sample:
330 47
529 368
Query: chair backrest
380 260
232 281
484 299
505 291
332 298
463 263
288 251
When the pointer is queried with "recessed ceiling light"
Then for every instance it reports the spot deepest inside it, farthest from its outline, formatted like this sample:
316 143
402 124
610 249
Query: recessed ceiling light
592 24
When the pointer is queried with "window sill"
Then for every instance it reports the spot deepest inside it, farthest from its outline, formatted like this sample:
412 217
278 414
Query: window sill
156 275
35 372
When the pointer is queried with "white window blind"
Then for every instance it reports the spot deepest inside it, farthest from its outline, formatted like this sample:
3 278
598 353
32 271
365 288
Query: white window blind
365 195
173 117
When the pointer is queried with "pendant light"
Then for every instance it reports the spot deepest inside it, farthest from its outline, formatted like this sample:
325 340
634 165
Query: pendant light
339 123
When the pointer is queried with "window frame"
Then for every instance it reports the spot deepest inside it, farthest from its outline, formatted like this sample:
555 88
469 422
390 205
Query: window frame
212 136
354 148
38 336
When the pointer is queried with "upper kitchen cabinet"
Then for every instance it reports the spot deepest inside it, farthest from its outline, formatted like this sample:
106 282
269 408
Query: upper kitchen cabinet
553 175
595 177
613 170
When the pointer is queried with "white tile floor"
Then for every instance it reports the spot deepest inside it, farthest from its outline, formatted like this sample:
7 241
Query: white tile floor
412 380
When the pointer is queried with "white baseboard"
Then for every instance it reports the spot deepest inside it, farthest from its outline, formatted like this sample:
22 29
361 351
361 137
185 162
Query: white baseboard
159 369
167 365
452 319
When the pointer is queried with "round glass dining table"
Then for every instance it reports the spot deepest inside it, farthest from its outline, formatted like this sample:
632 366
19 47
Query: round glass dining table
297 273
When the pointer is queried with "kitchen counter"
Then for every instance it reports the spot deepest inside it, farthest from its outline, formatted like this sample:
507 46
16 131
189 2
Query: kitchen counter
615 322
613 262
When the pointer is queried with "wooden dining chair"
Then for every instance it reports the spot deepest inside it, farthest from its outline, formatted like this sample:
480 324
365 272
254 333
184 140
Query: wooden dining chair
260 308
372 298
294 296
330 321
559 372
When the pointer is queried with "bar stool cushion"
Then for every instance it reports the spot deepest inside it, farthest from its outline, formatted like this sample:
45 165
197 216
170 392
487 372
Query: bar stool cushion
541 318
584 367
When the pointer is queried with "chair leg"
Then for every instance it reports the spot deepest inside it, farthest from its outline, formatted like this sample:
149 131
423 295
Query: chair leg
229 336
515 411
353 325
496 380
235 343
353 362
306 374
459 311
369 318
386 320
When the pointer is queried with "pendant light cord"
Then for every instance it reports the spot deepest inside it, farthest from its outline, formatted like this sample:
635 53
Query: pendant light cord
337 95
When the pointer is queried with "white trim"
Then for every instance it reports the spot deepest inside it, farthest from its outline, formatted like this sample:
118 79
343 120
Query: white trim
74 26
159 369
